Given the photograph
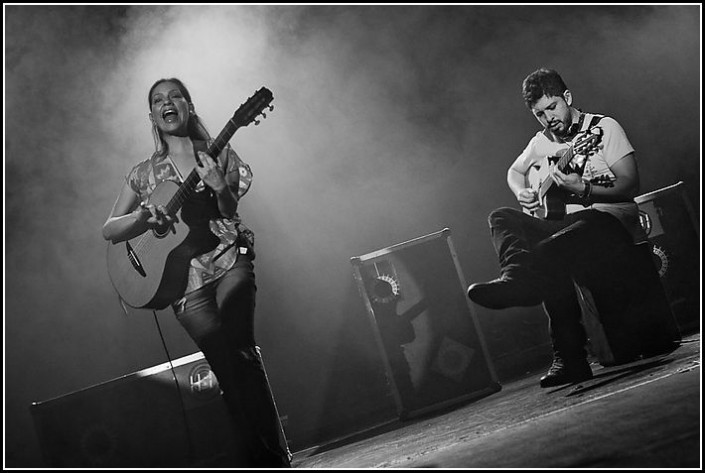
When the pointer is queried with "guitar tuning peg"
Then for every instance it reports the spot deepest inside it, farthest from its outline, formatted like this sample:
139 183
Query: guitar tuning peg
271 108
264 115
256 122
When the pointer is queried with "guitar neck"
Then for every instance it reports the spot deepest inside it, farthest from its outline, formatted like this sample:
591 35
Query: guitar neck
566 158
186 190
222 139
561 164
188 187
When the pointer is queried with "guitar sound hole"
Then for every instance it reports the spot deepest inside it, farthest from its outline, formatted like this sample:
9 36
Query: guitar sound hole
161 231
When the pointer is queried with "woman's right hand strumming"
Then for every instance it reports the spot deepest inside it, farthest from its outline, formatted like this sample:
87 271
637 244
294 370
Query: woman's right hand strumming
130 217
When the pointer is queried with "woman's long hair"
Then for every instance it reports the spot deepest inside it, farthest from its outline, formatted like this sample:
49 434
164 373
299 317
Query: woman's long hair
196 129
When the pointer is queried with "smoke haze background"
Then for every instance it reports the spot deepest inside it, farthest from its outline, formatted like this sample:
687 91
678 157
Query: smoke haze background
390 122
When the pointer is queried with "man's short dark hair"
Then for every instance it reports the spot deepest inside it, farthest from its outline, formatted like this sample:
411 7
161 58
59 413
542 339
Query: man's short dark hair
542 82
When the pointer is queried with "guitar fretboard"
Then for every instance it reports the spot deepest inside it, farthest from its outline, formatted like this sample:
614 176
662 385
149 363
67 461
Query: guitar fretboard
561 164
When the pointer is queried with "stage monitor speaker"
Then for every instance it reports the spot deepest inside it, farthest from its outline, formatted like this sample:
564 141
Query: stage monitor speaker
669 221
430 341
147 419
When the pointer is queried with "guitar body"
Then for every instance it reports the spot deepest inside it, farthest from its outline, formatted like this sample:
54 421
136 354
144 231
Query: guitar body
151 270
552 200
553 205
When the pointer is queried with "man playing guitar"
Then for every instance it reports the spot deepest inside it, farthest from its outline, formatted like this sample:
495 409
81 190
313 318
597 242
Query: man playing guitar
542 252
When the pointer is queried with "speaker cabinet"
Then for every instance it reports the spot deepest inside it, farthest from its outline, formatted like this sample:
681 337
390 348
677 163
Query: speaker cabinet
154 418
430 341
669 221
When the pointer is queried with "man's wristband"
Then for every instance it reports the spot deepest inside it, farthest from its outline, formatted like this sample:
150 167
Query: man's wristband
584 196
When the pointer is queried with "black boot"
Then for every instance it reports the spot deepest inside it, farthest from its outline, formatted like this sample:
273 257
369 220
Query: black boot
254 395
520 285
505 292
566 372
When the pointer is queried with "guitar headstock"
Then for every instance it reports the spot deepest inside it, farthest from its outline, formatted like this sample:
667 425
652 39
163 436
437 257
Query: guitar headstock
588 141
254 106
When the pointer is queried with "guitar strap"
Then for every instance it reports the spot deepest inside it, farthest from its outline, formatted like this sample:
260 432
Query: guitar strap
593 121
584 127
576 127
200 145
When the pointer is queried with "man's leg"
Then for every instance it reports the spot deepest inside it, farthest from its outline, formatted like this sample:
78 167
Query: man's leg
567 336
514 234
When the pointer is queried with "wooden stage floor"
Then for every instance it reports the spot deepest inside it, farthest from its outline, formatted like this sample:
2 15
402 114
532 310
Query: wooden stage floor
645 414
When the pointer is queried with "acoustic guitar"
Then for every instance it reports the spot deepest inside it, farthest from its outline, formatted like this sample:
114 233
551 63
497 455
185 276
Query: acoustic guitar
151 270
552 199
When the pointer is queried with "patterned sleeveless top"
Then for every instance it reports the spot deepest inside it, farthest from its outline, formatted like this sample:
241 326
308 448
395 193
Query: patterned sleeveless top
202 210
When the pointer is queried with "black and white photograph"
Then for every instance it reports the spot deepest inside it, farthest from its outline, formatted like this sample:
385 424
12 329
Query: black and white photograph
352 236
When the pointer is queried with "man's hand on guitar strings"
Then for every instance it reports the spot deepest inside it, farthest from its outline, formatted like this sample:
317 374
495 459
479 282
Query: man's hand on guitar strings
571 182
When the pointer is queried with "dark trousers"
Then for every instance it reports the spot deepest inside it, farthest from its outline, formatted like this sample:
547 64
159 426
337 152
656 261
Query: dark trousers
589 247
219 317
